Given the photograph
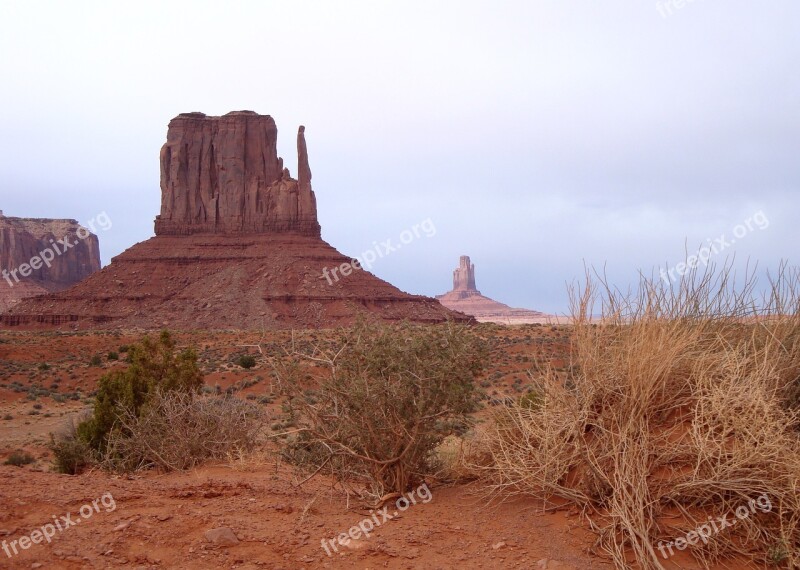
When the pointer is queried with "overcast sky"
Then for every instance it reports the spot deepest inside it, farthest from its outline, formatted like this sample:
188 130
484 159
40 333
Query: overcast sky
537 136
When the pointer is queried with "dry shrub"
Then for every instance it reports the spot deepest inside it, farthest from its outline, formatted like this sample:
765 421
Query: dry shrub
679 407
388 397
179 430
71 454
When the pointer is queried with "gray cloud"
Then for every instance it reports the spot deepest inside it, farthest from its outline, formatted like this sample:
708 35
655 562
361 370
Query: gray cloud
538 136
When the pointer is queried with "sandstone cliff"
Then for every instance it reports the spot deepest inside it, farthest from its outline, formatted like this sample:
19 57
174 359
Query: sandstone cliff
223 175
66 254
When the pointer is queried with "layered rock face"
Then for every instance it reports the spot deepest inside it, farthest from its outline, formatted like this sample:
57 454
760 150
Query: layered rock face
223 175
39 255
466 298
237 246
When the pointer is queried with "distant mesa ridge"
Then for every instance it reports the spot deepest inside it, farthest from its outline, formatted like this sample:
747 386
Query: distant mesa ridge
466 298
237 246
24 239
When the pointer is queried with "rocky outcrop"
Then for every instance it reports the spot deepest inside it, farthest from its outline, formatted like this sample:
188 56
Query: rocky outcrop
466 299
237 246
40 256
223 175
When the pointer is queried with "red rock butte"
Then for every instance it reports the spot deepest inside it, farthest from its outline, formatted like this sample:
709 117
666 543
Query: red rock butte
223 175
237 246
466 298
24 240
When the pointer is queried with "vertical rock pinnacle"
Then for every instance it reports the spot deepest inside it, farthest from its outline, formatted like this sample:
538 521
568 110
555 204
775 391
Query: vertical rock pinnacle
464 276
303 170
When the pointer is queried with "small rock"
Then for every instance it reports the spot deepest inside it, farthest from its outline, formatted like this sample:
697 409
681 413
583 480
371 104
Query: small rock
498 545
163 518
545 564
37 565
221 536
354 544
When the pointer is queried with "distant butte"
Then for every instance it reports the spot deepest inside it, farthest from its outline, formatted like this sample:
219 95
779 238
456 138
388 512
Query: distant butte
36 247
466 298
237 246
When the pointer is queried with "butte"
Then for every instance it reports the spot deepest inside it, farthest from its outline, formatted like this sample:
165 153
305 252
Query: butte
237 245
42 255
466 298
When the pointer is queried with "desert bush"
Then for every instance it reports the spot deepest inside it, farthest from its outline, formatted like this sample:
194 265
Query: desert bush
19 458
678 407
387 398
155 366
246 361
180 430
71 454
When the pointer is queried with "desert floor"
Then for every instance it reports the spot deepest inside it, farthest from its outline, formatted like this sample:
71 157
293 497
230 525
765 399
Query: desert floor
160 520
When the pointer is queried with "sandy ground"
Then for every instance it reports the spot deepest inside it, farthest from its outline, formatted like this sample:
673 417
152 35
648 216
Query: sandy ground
158 520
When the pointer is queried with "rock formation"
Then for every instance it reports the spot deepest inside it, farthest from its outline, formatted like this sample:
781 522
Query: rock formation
237 246
464 278
466 298
223 175
39 255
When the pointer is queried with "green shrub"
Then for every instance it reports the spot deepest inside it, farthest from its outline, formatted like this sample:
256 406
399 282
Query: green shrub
155 365
95 361
44 366
19 458
112 356
389 397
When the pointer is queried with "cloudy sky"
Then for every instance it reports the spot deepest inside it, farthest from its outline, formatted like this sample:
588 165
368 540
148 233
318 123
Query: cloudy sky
537 136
